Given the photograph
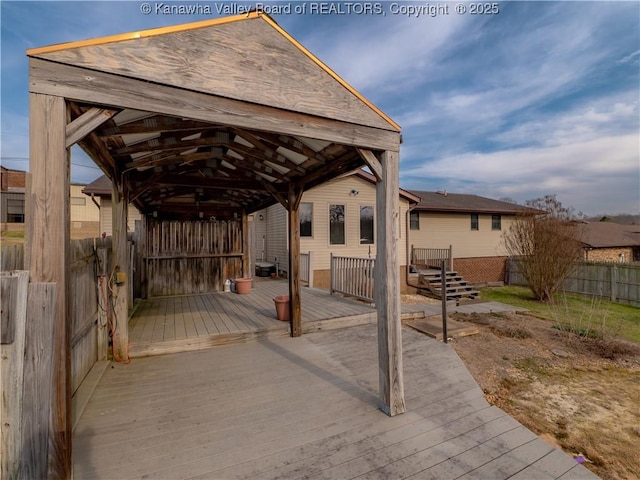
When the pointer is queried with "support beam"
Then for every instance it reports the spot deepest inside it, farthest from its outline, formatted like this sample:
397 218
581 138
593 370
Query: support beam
372 162
295 312
245 245
87 123
118 284
387 294
48 253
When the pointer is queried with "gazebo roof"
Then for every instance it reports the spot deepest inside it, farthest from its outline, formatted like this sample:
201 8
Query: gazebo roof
223 114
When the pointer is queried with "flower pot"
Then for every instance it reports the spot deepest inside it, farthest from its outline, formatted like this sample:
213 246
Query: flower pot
282 307
243 285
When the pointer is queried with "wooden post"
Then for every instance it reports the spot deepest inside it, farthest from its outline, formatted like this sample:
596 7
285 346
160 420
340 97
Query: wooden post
387 294
443 287
245 246
103 305
295 311
12 374
48 247
119 286
451 258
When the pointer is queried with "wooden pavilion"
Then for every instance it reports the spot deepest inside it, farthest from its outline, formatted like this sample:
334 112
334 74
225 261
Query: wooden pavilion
200 124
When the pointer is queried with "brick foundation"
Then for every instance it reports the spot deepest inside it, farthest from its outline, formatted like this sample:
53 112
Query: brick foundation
478 270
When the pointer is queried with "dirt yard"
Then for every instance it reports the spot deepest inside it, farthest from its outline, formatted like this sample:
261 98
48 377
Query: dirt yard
581 394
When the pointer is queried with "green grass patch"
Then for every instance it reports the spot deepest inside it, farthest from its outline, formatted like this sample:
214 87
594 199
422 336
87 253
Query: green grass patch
581 313
13 234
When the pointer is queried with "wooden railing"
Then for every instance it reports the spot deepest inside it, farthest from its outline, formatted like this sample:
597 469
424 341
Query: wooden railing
432 257
353 276
306 268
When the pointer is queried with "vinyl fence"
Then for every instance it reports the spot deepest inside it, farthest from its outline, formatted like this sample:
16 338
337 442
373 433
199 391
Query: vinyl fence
353 277
618 282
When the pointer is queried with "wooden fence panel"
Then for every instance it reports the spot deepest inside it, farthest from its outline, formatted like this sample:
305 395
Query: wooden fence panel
12 257
12 374
612 281
83 306
186 257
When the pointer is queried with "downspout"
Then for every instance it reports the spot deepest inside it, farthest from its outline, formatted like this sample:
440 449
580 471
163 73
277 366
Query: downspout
408 227
93 199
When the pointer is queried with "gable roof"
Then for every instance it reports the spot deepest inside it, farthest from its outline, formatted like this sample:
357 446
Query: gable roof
465 203
268 67
610 234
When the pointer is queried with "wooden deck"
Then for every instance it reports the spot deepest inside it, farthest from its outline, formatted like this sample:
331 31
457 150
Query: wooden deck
193 322
288 408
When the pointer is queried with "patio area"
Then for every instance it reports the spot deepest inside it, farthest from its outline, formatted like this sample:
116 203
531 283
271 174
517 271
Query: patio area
192 322
306 407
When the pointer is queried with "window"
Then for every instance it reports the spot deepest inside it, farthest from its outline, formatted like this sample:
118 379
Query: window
15 211
78 201
496 222
474 221
366 225
336 225
414 220
636 254
306 219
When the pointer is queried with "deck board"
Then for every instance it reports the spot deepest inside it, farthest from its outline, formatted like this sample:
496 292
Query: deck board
301 407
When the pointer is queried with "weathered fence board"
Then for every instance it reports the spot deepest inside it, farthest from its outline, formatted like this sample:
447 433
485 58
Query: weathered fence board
11 377
37 382
353 276
618 282
192 256
12 257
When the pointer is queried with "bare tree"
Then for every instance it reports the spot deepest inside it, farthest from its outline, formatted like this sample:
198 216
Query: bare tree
547 245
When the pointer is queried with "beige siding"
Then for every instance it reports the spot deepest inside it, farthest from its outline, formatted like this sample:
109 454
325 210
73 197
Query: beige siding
260 236
82 208
439 230
276 228
106 217
334 192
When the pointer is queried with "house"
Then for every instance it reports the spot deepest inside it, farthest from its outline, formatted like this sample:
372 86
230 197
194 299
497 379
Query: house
472 226
611 242
337 217
12 184
100 192
83 214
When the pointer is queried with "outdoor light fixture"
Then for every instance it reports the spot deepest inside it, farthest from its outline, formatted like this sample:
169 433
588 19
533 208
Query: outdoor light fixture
260 217
354 192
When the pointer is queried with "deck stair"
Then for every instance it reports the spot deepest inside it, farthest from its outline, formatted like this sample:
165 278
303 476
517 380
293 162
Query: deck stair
456 287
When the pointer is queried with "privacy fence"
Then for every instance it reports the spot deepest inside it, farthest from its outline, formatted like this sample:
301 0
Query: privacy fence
618 282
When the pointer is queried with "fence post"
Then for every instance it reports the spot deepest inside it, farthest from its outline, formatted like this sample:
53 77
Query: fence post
331 273
443 288
103 305
310 274
614 281
451 257
413 258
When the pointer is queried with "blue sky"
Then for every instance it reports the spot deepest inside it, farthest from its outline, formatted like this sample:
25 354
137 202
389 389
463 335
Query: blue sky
541 98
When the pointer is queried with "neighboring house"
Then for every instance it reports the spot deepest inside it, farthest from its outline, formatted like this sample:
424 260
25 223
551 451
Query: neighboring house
100 191
12 184
337 217
84 214
611 242
471 225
